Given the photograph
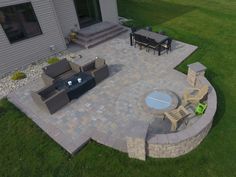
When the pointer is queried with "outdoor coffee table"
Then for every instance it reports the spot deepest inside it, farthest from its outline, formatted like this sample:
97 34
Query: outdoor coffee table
76 89
160 101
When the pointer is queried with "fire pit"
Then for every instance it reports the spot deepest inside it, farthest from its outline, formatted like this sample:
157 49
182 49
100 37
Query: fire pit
160 101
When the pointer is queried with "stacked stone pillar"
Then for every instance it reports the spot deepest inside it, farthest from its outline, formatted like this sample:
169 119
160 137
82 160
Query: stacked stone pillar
195 71
136 140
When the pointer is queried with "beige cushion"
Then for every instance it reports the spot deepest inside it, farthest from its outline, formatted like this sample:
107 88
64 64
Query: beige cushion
99 63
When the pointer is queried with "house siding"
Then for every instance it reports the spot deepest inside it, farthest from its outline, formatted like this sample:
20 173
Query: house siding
67 15
65 10
17 55
109 10
56 19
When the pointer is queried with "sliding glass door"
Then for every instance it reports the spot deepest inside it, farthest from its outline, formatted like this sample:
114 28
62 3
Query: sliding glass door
88 12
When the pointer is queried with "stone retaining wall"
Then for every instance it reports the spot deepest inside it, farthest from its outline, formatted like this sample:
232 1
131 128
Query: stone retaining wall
177 149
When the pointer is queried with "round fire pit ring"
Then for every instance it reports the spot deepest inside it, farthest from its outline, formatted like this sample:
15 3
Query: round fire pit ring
159 101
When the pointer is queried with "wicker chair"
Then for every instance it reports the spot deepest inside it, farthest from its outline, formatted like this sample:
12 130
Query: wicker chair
176 115
97 68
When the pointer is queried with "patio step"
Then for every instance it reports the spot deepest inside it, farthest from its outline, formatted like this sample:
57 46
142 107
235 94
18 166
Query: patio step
96 28
100 33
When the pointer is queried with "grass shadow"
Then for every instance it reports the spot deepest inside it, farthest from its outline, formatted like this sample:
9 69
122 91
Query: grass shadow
221 104
2 108
164 11
2 112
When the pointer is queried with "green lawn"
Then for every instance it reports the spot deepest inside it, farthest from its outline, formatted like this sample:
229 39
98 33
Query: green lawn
210 24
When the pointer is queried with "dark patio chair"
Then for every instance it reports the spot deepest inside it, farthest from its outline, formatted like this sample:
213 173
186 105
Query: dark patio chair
133 29
161 32
152 44
149 28
142 41
97 68
167 45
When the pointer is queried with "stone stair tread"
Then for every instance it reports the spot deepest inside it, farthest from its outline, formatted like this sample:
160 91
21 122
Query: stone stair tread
100 34
95 29
106 38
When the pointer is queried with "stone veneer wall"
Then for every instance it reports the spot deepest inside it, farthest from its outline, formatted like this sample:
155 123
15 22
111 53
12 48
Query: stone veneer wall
180 143
136 140
177 149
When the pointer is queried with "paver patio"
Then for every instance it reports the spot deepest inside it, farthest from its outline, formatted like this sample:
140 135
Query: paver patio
108 112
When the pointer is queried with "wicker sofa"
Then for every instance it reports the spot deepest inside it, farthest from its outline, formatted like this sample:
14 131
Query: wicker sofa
51 99
59 71
97 68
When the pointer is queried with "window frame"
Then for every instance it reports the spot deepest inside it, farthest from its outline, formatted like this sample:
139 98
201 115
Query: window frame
20 22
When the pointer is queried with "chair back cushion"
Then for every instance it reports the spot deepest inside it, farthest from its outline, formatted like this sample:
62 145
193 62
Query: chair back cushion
99 63
89 66
58 68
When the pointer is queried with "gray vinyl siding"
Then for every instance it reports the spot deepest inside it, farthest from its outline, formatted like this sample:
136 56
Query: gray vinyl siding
65 10
56 19
109 10
20 54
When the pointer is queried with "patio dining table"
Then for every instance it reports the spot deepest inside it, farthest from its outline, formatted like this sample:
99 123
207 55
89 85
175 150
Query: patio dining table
159 38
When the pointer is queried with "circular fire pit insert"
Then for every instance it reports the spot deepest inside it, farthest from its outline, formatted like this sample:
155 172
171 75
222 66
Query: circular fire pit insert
160 101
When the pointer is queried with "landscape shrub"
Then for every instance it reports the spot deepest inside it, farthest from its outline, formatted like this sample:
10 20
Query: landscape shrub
53 60
18 75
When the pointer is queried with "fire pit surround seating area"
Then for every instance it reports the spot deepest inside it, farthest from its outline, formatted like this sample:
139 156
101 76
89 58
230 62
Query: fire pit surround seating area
66 80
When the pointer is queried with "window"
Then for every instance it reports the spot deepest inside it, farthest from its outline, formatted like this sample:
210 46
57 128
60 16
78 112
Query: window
19 22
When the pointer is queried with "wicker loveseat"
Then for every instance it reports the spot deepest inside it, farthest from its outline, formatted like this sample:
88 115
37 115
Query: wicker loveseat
61 70
51 99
